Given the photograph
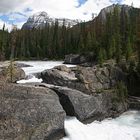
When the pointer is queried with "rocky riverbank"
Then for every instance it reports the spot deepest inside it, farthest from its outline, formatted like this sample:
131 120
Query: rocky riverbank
37 111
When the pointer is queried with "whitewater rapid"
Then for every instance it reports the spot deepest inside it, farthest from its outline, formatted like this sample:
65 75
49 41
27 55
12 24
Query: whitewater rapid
125 127
38 66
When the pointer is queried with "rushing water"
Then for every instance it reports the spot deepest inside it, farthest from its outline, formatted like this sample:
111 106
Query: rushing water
38 66
125 127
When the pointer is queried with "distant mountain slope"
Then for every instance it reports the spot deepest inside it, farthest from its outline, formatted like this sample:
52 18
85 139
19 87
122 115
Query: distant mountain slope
40 19
98 24
102 15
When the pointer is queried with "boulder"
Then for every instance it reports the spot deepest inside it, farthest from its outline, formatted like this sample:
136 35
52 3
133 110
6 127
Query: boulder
88 107
12 75
45 59
99 78
58 76
74 59
21 65
89 80
30 113
62 76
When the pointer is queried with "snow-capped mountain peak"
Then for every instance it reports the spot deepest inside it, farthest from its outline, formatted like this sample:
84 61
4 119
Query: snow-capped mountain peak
41 19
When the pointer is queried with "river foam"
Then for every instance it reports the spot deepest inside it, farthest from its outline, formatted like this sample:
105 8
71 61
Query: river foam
125 127
38 66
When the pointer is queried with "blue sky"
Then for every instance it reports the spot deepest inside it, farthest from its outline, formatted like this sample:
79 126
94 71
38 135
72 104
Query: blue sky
12 18
18 11
81 2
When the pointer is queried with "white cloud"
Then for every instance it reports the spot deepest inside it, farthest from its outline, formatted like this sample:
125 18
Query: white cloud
136 3
10 5
57 8
69 8
92 6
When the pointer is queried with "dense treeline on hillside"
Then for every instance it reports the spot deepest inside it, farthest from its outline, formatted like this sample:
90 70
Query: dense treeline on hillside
117 37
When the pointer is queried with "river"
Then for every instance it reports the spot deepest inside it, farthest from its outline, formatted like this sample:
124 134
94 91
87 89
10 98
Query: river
125 127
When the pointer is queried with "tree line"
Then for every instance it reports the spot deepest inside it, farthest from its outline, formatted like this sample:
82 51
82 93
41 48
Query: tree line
116 37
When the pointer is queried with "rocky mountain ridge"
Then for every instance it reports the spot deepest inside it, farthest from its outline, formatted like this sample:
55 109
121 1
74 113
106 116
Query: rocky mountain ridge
41 19
103 13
